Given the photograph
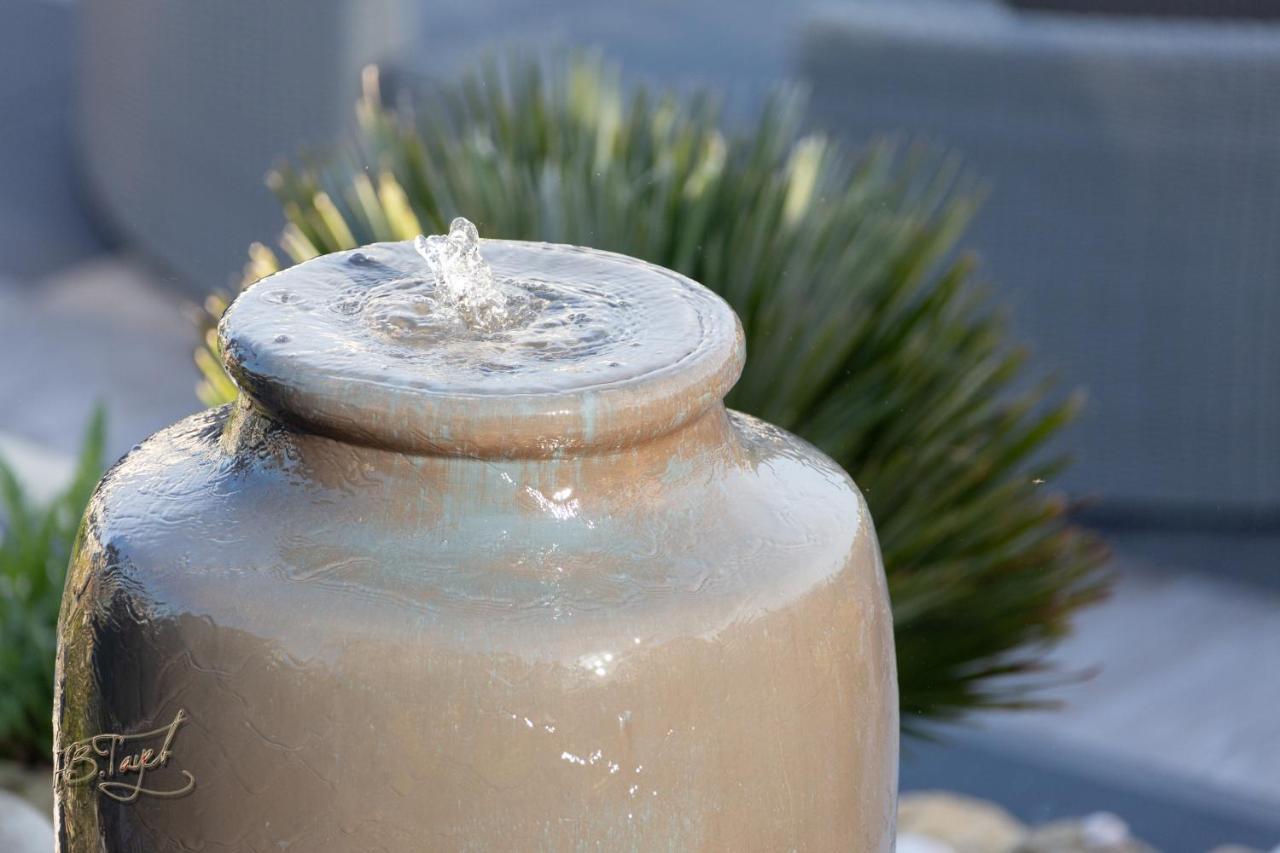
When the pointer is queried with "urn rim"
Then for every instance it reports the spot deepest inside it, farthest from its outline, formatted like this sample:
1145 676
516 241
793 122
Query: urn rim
277 353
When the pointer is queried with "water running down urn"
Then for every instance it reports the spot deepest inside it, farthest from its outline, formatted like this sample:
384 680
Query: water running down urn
479 561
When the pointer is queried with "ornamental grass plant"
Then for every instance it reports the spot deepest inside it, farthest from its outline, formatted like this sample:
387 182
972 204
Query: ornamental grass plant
35 544
868 333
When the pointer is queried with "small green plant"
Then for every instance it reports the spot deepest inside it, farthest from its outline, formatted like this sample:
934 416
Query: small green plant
866 333
35 544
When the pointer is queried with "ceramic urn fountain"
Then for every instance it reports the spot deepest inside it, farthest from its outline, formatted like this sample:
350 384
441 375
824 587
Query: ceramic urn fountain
479 561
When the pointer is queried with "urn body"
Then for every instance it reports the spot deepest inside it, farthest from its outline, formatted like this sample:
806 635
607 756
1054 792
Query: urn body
679 641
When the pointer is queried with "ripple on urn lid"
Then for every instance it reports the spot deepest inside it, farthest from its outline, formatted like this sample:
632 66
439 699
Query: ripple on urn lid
590 350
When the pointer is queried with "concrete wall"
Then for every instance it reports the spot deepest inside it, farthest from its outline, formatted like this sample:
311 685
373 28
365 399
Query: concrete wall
1134 171
1133 221
185 106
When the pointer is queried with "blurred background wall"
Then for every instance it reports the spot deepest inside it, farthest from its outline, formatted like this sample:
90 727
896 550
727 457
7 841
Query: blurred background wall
183 107
1132 164
1130 226
1135 191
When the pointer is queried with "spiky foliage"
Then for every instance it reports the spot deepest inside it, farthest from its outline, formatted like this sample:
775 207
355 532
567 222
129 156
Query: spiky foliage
35 544
866 334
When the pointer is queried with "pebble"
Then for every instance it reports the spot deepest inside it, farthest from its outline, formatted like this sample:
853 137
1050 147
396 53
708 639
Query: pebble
911 842
1101 832
941 822
962 824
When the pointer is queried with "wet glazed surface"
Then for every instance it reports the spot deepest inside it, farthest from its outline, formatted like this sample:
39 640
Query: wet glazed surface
687 642
371 330
589 319
407 595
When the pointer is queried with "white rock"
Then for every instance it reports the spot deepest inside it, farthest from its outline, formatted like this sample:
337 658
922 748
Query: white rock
43 473
963 824
1103 830
912 842
22 828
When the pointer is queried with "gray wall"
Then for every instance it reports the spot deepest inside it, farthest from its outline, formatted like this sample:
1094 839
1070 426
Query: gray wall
184 106
1133 220
1134 170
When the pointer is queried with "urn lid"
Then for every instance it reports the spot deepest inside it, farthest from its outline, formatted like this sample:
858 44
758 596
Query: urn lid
482 347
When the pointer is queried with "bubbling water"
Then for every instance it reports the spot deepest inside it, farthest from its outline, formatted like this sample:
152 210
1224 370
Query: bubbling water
465 281
460 297
456 315
472 320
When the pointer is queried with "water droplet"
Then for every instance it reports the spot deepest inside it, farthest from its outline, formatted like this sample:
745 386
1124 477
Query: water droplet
462 274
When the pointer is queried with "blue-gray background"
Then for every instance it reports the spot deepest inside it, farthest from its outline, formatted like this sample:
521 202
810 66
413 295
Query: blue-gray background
1131 226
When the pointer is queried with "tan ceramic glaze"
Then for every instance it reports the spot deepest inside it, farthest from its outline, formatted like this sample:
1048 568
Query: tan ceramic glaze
599 613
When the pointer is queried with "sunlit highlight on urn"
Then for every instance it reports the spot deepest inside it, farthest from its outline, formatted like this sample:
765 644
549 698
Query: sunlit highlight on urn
479 560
